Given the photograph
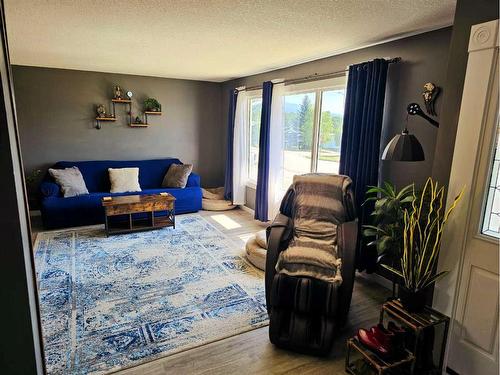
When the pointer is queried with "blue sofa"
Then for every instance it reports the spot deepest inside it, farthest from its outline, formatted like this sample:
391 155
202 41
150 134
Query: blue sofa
60 212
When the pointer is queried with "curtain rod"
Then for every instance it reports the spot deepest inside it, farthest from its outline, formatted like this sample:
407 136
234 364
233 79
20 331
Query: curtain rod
311 78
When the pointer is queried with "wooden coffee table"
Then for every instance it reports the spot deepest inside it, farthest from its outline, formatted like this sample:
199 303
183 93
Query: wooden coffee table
128 205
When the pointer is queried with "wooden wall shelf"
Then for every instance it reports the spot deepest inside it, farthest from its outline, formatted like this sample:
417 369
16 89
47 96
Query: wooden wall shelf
132 124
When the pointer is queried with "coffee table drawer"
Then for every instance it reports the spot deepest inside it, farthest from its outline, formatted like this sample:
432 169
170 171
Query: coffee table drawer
131 208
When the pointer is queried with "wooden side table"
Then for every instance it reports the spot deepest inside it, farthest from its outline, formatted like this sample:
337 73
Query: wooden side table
426 329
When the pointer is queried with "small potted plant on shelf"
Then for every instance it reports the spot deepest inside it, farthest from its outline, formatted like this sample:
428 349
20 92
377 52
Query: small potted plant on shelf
422 229
152 105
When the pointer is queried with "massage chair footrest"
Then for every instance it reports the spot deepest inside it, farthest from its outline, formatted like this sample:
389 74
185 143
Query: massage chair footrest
302 314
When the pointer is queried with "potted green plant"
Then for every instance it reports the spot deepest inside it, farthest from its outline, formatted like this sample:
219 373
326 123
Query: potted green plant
152 105
423 226
386 231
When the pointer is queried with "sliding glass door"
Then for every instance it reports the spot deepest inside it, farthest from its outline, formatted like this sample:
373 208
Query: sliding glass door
330 130
310 124
298 128
312 131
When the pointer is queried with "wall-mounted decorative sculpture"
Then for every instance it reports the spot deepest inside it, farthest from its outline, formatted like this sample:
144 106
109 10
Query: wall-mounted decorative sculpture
431 92
101 110
117 92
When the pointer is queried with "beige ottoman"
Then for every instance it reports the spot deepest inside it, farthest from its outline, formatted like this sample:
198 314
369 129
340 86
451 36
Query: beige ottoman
256 250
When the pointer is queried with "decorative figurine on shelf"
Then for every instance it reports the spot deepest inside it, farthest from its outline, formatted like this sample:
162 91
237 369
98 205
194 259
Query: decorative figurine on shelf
137 120
129 95
101 110
152 105
430 94
117 92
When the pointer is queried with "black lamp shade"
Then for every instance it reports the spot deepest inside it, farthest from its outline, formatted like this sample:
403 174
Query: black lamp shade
404 147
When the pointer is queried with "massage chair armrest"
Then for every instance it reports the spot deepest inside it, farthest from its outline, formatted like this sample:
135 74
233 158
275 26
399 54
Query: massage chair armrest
278 235
347 244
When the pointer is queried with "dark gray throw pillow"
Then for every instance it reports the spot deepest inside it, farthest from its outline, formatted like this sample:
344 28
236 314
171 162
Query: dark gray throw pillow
70 180
177 176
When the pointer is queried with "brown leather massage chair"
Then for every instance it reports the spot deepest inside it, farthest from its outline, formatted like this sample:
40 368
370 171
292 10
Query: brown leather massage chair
305 312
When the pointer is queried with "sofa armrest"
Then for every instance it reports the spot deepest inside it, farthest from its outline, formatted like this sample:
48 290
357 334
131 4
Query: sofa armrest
49 189
193 180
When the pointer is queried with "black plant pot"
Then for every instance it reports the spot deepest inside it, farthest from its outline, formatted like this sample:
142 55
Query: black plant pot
412 301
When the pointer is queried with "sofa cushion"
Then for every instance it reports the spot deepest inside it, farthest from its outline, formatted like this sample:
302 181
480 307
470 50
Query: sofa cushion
177 176
70 180
124 180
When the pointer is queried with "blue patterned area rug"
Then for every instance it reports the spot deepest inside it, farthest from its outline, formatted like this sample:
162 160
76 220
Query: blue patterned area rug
114 302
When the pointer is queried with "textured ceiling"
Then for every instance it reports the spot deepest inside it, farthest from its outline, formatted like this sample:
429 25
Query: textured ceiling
213 40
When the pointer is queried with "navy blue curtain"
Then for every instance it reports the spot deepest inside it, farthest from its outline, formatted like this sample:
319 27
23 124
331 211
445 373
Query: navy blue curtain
228 178
263 170
360 149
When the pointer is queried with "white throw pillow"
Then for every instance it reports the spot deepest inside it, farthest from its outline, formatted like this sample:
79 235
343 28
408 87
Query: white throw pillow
124 180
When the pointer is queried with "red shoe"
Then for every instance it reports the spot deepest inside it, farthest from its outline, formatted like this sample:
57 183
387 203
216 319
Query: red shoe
384 336
370 341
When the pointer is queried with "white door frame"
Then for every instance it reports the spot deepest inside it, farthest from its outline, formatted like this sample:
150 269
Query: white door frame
479 81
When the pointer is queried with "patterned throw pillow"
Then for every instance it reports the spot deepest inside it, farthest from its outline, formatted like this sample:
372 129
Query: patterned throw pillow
124 180
177 176
70 180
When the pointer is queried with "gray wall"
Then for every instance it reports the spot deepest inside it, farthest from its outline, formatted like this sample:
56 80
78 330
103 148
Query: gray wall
56 108
467 13
424 59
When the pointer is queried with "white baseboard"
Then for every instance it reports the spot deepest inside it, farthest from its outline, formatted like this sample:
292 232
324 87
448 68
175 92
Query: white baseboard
247 209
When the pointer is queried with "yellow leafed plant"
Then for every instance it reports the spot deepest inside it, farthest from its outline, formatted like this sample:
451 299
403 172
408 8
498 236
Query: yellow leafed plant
422 233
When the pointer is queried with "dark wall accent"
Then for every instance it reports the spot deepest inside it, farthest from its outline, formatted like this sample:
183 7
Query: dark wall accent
20 349
424 59
467 13
56 108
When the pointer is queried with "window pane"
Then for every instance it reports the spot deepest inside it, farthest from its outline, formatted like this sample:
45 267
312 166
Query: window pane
491 222
255 109
298 135
330 134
